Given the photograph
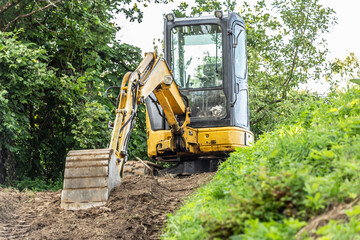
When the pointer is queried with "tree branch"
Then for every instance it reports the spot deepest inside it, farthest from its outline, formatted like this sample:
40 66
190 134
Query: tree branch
288 80
268 104
46 27
124 66
8 5
29 14
291 74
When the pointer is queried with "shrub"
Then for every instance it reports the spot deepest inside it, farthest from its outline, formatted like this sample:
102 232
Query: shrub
270 190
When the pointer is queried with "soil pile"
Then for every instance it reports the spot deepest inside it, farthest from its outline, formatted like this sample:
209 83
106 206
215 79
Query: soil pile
136 210
9 201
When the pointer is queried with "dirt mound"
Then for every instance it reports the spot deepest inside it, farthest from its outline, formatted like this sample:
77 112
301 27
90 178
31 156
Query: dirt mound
17 210
9 201
136 210
335 212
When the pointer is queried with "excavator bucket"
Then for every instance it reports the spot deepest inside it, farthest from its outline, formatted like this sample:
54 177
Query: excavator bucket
89 177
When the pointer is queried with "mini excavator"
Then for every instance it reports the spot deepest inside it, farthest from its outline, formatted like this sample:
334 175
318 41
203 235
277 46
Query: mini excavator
197 109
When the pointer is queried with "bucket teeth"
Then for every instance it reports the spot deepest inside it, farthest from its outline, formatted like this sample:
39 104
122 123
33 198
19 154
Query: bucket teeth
89 177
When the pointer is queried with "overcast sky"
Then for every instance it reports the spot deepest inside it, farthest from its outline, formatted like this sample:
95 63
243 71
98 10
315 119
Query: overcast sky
342 39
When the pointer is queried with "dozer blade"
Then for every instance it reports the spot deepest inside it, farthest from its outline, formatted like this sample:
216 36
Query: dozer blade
89 177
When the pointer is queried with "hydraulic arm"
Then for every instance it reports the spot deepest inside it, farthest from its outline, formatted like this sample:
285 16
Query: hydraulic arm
152 76
91 174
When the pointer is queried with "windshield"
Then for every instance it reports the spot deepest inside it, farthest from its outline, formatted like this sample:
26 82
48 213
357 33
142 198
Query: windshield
196 54
196 62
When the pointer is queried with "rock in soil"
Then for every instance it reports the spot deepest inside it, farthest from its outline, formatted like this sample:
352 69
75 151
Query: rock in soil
136 210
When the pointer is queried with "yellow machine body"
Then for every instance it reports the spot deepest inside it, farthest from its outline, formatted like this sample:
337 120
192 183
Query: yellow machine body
203 141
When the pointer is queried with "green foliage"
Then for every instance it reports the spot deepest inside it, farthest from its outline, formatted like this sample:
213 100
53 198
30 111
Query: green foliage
138 138
203 6
342 229
26 83
270 190
89 131
283 52
341 72
39 184
56 62
356 81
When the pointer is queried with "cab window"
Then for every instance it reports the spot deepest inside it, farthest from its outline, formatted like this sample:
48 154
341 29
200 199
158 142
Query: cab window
240 52
196 62
240 88
196 53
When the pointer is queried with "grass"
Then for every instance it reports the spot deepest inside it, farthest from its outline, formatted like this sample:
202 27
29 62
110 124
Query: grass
271 190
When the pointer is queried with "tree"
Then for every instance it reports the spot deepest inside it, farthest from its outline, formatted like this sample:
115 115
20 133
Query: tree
56 60
25 82
340 72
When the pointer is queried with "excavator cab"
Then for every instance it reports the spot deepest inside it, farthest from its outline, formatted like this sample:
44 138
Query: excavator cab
208 60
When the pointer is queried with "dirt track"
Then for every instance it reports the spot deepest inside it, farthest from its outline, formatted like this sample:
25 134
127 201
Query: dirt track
136 210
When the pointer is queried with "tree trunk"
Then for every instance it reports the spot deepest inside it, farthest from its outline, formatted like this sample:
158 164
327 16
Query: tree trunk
7 166
2 165
10 166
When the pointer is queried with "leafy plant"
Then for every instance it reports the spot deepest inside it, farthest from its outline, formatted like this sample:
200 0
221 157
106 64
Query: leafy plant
56 62
342 229
39 184
270 190
356 81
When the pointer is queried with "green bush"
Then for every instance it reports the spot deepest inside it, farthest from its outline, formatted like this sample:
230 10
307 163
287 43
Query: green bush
39 184
270 190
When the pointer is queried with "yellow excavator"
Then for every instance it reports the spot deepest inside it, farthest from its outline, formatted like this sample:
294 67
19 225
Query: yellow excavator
197 109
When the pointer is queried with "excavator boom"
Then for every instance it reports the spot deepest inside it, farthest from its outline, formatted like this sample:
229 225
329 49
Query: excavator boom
91 174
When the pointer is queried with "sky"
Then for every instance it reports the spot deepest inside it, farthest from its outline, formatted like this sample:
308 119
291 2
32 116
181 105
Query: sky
345 36
342 39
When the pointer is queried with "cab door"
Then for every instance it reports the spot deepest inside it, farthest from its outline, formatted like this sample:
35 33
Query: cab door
240 101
